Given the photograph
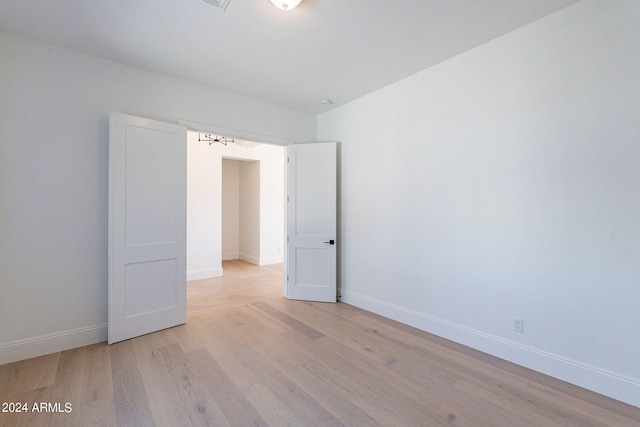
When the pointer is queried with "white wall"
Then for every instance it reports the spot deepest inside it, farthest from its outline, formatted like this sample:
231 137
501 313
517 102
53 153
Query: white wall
241 210
250 224
272 197
204 209
230 209
505 183
261 201
54 109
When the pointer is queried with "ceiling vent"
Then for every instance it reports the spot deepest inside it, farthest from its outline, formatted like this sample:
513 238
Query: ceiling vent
220 4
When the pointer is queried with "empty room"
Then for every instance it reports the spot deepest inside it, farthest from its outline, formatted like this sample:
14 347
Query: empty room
461 233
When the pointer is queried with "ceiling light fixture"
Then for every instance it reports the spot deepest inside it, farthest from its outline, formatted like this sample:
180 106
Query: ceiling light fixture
286 4
326 101
210 138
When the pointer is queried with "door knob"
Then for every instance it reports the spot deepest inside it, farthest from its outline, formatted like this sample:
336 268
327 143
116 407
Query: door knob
331 242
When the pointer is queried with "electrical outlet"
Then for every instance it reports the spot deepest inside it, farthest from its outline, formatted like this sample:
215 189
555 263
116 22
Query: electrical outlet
518 325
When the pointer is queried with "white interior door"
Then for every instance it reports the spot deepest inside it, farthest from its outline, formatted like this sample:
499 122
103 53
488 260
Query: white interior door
147 226
311 222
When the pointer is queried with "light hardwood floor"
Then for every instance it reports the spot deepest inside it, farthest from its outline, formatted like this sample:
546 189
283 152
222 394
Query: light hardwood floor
247 356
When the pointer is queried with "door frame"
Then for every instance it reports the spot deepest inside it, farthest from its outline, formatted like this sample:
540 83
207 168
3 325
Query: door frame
283 142
239 134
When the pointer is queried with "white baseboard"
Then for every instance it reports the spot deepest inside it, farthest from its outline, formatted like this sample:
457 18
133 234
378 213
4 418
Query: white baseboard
250 258
257 260
617 386
272 260
51 343
204 274
230 255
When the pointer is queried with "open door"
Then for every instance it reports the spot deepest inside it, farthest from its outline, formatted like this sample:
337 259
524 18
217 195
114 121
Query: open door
147 226
311 222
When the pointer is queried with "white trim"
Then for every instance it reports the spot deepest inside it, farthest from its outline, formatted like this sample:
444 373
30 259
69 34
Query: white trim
52 343
272 260
228 256
206 273
608 383
235 133
250 258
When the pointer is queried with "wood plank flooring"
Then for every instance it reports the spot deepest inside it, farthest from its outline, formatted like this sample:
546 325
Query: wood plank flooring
249 357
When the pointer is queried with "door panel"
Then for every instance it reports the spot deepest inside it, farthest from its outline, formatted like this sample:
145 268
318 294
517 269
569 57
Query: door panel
147 226
311 222
163 276
150 190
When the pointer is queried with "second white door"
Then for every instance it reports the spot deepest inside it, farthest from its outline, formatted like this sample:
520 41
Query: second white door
311 222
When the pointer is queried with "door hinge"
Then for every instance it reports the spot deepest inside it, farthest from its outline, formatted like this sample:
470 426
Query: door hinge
287 277
287 238
287 199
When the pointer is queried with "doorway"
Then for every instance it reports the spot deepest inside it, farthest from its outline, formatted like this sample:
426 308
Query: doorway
147 165
259 204
241 210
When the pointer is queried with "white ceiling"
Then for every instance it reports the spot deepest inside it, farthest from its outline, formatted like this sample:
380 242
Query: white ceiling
338 49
